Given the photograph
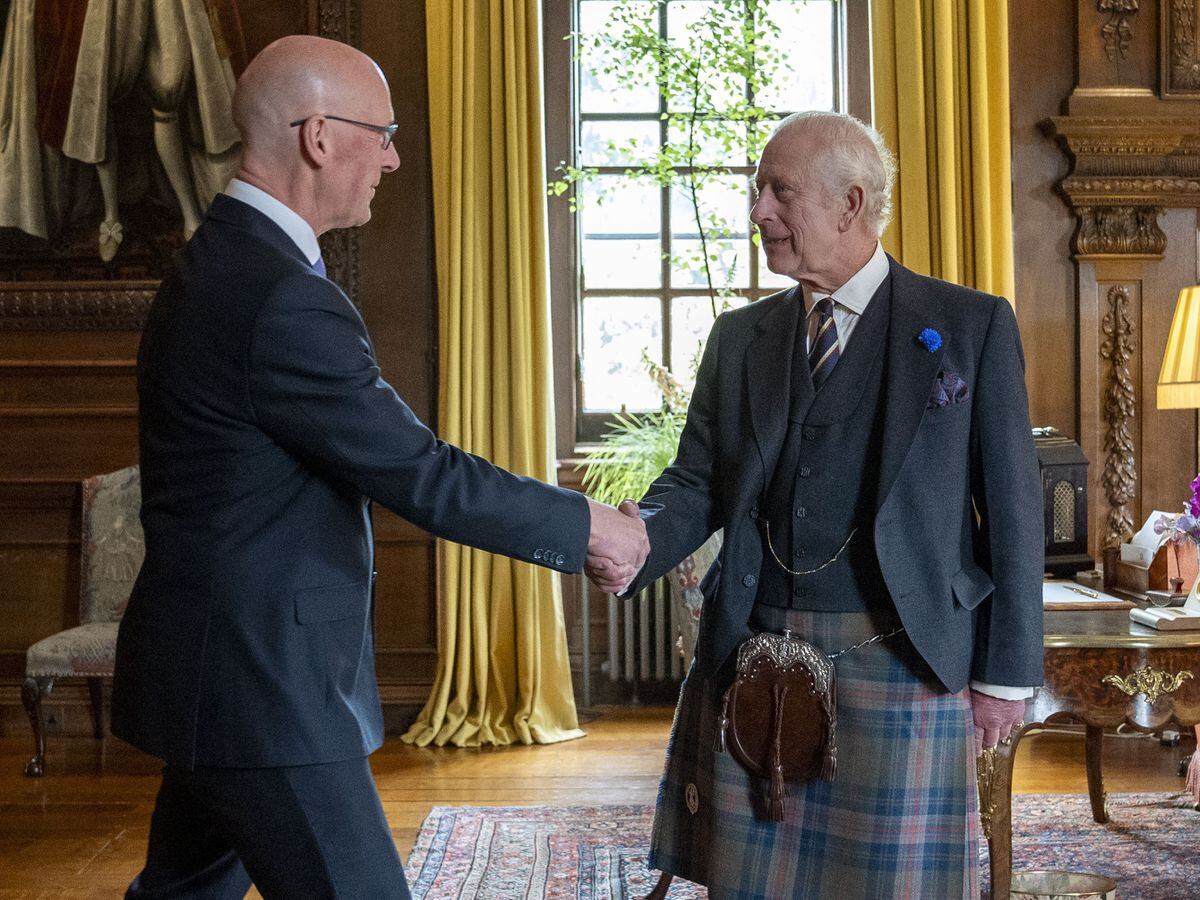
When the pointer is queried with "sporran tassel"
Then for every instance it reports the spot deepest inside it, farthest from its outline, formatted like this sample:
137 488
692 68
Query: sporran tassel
829 766
776 795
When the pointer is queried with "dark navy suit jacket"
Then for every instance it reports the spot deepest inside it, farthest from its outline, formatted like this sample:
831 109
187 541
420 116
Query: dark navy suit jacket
958 522
265 428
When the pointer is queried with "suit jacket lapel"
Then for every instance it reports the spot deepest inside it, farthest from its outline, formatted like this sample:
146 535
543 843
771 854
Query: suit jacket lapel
768 377
911 372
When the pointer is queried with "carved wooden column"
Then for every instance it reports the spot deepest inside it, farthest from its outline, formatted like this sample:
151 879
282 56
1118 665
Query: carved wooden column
1132 135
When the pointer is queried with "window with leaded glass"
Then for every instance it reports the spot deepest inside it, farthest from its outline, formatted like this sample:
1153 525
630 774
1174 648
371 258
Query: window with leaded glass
641 264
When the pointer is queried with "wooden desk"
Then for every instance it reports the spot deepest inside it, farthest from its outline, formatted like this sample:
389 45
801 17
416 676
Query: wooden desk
1102 670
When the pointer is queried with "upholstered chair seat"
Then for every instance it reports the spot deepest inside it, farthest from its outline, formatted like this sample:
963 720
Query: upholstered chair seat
85 651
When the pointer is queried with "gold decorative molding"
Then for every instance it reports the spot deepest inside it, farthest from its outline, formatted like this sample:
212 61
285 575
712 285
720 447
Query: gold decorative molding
1130 231
1151 682
987 768
1117 32
1180 64
1160 192
1120 466
985 774
1136 166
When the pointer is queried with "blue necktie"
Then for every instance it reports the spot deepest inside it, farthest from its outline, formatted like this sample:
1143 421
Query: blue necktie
319 267
824 353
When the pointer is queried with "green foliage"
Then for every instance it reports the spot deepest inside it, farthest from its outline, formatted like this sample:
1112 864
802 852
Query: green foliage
632 454
635 449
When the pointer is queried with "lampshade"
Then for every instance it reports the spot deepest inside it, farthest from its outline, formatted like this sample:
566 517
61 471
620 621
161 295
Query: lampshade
1179 379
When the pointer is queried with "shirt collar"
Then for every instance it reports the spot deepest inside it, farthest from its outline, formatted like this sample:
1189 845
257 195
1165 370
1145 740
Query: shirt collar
292 223
856 293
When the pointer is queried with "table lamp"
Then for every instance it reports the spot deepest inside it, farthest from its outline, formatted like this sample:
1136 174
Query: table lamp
1179 378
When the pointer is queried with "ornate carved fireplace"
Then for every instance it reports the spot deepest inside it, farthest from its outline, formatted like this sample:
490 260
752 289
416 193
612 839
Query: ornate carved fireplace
1131 133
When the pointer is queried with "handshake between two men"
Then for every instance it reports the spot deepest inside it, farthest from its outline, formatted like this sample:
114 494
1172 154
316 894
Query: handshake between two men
617 545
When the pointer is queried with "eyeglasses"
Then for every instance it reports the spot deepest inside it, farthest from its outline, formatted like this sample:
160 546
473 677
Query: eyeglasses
386 132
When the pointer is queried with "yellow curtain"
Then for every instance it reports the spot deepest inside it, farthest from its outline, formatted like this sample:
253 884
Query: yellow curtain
503 671
940 73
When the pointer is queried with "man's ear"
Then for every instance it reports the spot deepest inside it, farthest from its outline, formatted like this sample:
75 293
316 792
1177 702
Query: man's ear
853 204
314 141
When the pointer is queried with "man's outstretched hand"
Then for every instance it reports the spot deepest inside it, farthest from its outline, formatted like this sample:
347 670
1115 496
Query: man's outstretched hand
617 546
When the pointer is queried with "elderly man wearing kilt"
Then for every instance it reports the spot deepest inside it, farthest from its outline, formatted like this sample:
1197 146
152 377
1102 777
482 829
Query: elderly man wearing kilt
863 439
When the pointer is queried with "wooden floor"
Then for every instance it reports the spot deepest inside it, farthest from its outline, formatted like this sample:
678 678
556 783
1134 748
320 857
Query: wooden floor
80 832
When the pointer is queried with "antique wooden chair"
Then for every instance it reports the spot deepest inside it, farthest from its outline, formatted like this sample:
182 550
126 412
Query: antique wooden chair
111 554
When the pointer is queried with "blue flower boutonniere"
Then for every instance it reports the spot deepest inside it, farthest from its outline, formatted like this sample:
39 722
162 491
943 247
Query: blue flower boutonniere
930 340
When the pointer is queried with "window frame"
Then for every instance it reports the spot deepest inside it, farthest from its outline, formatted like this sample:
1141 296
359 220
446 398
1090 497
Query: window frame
574 429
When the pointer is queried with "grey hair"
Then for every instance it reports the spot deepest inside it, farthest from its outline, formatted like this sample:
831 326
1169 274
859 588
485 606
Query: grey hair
852 153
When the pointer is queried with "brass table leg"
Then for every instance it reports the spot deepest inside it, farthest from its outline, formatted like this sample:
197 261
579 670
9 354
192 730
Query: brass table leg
1093 742
994 769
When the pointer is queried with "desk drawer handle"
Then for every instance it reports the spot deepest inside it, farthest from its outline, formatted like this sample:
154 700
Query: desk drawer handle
1151 682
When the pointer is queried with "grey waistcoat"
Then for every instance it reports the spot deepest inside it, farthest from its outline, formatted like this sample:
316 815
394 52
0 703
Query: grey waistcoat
826 478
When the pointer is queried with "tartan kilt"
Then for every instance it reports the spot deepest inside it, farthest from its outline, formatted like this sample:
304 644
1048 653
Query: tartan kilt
900 820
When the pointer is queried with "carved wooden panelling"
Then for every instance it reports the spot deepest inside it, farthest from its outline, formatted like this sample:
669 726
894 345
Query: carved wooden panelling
1179 56
1120 465
1119 231
1117 30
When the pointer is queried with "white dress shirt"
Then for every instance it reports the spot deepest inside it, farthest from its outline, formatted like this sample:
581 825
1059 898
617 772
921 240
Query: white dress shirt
849 303
850 300
292 223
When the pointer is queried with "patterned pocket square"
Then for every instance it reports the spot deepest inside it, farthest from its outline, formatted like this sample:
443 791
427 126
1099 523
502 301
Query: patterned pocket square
947 390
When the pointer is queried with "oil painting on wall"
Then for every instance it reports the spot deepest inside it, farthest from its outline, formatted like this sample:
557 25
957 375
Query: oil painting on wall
116 127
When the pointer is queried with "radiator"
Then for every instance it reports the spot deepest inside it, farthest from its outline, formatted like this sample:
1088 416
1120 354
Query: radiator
644 644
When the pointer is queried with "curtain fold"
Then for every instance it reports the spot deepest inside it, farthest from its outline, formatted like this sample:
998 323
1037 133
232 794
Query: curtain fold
940 87
503 672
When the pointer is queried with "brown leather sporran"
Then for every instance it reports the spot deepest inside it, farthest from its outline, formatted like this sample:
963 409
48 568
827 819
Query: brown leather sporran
779 717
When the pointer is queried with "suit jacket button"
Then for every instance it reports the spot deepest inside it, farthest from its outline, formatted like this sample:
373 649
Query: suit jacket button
749 581
537 554
754 512
810 433
559 560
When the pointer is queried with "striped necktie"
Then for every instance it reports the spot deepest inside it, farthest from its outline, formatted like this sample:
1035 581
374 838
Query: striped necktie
319 267
823 355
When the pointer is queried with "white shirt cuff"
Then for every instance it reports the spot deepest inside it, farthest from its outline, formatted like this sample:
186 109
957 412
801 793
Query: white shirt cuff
1003 691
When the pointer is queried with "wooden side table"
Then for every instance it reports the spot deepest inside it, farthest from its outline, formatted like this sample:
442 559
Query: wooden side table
1102 670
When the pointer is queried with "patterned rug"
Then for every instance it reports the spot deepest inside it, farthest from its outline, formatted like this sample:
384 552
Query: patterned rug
599 852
